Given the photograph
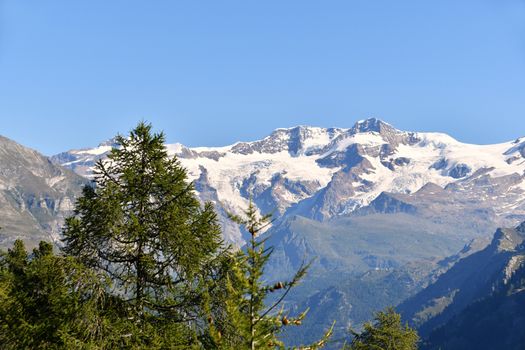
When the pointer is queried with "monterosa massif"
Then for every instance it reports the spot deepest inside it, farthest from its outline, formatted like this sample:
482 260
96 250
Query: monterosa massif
415 220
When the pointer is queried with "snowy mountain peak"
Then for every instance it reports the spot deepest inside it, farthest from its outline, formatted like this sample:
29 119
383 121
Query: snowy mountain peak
372 125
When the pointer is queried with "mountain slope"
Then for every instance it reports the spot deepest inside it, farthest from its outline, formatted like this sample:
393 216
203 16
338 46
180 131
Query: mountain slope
495 322
473 278
35 194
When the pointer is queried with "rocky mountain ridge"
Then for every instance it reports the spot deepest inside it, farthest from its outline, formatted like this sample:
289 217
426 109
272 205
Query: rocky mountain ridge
322 173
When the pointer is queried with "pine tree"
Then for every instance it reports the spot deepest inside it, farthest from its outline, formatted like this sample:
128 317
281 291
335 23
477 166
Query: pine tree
142 224
386 333
48 301
245 321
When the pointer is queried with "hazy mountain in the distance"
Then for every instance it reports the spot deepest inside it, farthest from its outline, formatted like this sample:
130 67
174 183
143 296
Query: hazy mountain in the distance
479 303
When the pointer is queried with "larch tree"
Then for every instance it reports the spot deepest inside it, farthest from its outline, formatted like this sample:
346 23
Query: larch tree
142 224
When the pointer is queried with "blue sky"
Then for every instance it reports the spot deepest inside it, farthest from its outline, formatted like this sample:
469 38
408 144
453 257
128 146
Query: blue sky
73 73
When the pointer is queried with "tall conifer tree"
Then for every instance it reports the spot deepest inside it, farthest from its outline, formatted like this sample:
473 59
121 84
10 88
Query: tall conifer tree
142 224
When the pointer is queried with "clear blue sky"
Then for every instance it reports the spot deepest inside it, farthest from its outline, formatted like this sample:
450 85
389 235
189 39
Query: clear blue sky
73 73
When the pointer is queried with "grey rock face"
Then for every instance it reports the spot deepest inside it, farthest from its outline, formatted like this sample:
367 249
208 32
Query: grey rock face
440 164
35 195
519 148
459 171
273 198
188 153
349 158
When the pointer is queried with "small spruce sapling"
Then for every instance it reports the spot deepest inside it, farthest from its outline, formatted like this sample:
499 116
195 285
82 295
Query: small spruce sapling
247 321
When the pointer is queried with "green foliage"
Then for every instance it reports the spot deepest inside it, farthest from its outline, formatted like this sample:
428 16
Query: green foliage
47 301
386 333
55 302
143 225
244 320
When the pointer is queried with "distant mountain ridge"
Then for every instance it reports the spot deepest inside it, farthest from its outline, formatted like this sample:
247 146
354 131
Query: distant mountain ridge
322 173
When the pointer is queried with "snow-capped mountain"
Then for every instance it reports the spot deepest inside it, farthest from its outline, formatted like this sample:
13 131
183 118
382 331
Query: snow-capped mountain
323 173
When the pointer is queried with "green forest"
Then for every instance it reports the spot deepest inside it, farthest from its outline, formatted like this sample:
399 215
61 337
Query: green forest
142 265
